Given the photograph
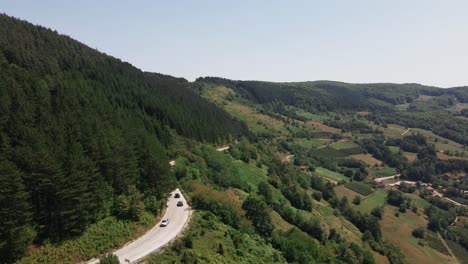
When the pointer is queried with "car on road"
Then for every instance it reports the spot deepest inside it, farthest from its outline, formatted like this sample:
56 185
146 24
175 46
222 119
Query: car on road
180 203
177 195
164 222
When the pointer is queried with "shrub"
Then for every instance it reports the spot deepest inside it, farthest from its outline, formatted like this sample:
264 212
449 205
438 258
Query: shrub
188 241
402 208
418 232
357 200
109 259
377 212
317 196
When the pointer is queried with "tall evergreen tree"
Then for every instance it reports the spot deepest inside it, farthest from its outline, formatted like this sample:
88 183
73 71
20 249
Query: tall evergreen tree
15 213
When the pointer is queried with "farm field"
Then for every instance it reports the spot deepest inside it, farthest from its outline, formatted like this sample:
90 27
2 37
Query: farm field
384 171
243 112
324 127
341 191
410 156
370 202
309 115
359 187
444 156
367 158
331 174
343 145
393 131
310 143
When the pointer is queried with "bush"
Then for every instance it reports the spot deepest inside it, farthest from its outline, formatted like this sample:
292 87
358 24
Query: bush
418 232
395 198
152 204
377 212
357 200
402 208
109 259
317 196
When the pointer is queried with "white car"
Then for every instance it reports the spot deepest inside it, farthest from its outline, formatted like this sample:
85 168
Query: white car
164 222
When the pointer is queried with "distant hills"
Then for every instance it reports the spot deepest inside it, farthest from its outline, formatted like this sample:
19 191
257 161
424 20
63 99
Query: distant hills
411 105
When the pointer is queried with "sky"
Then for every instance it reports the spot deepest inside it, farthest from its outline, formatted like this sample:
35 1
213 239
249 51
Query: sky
402 41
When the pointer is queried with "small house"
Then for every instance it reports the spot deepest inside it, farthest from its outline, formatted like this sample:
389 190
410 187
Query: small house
429 188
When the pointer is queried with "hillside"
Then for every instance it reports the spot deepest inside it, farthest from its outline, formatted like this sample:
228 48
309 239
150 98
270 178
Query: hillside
310 172
319 181
78 128
410 105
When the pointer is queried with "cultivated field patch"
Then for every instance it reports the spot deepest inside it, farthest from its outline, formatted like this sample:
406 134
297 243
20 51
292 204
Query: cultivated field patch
370 202
367 158
331 174
359 187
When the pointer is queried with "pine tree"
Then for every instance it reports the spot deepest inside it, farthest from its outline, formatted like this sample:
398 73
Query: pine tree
15 213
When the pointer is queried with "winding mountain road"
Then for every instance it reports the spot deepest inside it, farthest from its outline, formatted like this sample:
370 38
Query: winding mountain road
158 236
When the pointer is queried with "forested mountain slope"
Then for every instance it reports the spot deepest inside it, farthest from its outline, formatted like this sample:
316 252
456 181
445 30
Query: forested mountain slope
411 105
79 128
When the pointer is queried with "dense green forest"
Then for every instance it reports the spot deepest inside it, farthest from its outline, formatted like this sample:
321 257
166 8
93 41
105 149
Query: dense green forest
79 130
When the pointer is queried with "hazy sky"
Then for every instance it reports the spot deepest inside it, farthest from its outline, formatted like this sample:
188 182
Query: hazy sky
424 41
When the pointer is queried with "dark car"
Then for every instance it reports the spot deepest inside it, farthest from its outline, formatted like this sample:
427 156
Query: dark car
177 195
180 203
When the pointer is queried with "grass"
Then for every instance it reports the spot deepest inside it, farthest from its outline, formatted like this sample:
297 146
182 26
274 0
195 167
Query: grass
394 149
458 251
370 202
256 122
109 233
326 211
331 152
343 145
309 115
331 174
309 143
359 187
420 202
402 107
397 230
393 131
384 171
246 173
434 242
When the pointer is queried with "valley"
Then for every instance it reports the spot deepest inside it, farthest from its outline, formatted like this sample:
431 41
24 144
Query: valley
92 149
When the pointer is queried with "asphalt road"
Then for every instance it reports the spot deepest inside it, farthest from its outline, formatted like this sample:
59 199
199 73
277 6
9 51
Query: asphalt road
158 236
